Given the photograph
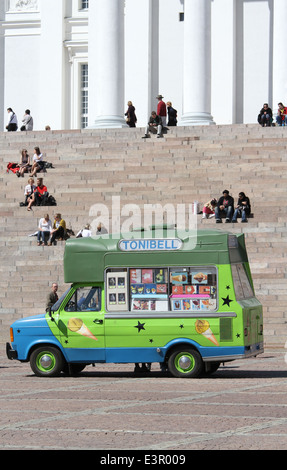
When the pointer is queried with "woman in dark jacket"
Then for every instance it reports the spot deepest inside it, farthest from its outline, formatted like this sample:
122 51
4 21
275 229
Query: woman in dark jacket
172 114
243 207
265 116
131 115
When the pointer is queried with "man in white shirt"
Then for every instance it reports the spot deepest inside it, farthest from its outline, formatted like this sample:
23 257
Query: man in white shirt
29 190
85 232
27 121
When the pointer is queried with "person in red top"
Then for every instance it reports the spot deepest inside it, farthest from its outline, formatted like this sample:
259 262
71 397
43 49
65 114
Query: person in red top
40 195
161 110
281 118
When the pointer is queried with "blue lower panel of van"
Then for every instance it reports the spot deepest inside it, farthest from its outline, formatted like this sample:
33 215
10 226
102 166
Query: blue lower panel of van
151 354
131 355
120 355
134 355
85 355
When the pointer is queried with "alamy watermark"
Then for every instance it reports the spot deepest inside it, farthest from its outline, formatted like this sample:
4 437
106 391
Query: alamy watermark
131 221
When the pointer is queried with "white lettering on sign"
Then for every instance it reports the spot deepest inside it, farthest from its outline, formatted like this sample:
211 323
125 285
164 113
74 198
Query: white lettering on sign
150 244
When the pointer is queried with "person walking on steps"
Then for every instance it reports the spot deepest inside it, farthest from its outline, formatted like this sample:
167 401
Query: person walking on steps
12 125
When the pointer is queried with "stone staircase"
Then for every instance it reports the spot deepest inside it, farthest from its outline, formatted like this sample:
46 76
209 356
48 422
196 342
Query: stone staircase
188 164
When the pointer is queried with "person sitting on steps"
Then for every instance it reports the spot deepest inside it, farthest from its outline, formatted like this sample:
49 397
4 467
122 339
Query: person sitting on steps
38 163
265 116
59 229
208 209
44 229
243 208
225 205
154 125
24 166
281 117
29 190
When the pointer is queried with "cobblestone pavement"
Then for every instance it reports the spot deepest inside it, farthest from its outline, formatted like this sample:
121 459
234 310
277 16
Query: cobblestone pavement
108 407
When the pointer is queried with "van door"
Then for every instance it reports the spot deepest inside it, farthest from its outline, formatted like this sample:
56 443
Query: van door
82 325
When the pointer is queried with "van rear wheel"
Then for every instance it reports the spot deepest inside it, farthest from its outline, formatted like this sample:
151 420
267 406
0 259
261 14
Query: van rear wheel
185 363
46 361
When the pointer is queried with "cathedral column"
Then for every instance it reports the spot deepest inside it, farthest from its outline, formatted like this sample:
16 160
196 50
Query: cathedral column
51 67
279 53
197 63
106 64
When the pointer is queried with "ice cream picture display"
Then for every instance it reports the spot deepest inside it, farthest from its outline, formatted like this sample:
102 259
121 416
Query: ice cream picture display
203 328
199 278
77 325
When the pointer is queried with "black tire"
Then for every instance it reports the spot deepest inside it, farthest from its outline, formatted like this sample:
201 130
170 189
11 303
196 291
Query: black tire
46 361
185 362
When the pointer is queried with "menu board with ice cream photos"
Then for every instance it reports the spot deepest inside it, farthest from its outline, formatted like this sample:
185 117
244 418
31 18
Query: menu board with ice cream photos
181 289
117 298
193 289
148 289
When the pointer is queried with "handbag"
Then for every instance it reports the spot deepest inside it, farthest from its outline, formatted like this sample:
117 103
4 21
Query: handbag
23 128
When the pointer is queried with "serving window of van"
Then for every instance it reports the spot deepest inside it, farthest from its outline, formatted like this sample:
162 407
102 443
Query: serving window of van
176 289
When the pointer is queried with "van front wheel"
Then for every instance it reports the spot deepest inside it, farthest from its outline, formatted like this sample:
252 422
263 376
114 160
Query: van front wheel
185 363
46 361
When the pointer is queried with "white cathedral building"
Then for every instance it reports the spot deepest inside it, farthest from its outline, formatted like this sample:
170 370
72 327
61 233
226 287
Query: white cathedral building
76 63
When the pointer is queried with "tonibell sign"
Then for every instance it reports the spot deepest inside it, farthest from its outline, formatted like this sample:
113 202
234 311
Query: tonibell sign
147 244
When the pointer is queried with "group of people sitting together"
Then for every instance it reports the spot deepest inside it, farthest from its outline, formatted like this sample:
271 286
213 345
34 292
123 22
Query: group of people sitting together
38 195
26 165
224 206
265 117
48 233
35 194
157 121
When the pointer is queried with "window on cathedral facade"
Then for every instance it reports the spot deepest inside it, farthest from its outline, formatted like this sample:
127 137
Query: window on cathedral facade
84 96
84 4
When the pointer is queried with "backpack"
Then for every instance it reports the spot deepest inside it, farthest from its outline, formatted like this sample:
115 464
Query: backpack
48 165
14 167
51 201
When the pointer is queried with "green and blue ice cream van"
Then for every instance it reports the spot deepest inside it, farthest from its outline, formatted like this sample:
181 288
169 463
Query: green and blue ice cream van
186 302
